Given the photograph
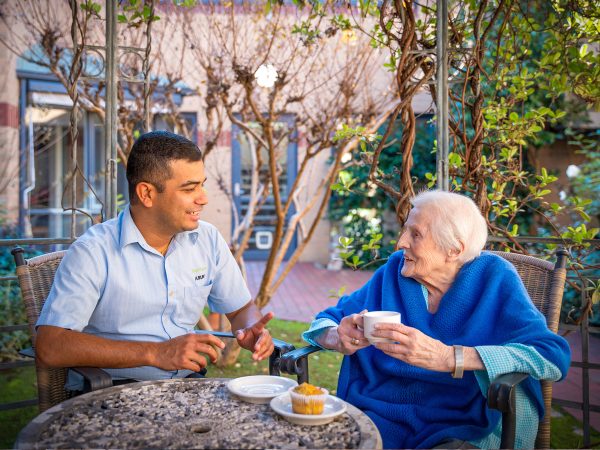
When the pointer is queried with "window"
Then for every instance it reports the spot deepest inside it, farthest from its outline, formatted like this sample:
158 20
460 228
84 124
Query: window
47 179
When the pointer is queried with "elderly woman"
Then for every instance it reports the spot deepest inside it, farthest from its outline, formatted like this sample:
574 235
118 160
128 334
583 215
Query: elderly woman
466 318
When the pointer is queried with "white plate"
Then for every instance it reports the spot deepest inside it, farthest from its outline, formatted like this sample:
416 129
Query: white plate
259 389
333 407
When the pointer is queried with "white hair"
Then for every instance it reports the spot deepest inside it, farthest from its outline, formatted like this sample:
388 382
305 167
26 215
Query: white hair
456 220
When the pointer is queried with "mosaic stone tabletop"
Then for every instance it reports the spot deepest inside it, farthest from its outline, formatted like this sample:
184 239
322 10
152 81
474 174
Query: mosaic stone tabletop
185 413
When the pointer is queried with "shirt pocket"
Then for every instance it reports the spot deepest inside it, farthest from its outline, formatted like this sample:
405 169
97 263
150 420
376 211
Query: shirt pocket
191 307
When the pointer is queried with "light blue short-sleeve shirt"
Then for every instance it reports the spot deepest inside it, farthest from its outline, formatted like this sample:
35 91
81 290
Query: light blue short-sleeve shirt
112 284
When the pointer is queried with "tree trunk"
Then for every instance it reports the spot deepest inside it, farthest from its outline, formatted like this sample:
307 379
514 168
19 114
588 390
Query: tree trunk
229 354
204 325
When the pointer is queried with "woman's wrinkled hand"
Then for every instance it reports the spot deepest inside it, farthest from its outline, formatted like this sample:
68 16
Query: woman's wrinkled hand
350 334
414 347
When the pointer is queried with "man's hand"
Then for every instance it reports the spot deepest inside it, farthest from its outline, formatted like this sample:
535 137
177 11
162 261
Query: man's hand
59 347
183 352
256 338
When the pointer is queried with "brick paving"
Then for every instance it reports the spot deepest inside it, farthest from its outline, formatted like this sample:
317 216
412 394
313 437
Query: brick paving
306 290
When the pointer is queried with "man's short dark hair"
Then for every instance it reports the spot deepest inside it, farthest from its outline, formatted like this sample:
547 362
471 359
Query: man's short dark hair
151 155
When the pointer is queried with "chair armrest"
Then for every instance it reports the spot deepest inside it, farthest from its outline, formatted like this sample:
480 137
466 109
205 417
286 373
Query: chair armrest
501 396
93 378
281 347
296 362
29 352
222 334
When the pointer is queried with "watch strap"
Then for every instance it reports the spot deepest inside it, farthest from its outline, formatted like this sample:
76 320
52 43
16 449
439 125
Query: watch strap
459 362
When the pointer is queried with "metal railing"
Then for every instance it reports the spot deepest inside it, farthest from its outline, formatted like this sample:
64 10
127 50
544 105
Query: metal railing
584 328
585 405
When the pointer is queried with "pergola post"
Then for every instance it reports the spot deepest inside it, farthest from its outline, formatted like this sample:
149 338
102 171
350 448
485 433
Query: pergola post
441 81
110 121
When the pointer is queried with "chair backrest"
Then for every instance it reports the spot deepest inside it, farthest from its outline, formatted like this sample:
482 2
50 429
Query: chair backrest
36 276
545 283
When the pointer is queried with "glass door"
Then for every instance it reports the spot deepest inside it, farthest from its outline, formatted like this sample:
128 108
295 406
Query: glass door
261 241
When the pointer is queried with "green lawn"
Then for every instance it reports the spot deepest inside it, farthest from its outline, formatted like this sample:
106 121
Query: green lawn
567 431
19 384
324 366
16 385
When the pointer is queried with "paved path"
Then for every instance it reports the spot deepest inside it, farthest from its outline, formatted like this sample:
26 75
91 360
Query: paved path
306 291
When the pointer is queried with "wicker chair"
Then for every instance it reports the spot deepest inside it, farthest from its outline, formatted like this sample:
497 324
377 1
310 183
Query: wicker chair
35 280
36 276
545 284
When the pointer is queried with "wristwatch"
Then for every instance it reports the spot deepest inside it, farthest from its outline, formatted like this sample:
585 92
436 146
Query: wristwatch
459 362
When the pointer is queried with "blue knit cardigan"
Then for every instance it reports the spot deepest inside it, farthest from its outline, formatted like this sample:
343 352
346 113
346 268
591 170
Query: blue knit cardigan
418 408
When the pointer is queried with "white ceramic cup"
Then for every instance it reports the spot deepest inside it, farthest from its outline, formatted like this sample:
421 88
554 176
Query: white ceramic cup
372 317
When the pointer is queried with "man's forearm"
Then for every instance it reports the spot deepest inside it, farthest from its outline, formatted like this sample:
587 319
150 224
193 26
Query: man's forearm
244 317
59 347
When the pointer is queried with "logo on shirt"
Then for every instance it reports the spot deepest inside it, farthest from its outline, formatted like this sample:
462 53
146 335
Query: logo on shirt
197 272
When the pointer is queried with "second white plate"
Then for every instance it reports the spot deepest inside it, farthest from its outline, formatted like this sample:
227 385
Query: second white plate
259 389
282 405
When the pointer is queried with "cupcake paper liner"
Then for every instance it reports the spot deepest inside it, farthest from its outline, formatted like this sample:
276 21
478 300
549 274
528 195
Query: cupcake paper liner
308 404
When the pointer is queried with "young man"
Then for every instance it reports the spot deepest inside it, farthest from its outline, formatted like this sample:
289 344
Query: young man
129 291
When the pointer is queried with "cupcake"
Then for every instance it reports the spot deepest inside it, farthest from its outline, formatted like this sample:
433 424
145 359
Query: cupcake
308 399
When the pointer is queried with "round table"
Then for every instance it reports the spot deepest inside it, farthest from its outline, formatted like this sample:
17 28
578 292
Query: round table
185 413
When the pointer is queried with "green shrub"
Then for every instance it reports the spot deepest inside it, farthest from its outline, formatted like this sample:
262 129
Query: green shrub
12 310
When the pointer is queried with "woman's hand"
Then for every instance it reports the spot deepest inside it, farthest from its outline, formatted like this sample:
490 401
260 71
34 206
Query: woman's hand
350 334
347 337
414 347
